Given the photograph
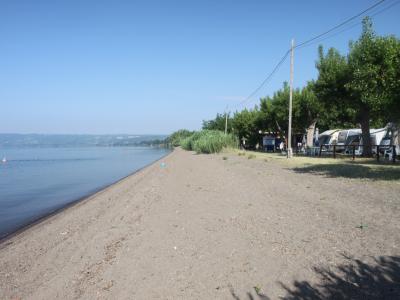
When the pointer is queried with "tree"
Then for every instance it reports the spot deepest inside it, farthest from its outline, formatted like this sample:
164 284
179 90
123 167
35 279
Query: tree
275 111
362 87
330 87
245 125
218 123
307 111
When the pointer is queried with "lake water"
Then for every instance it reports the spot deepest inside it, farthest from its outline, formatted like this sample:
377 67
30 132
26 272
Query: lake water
35 182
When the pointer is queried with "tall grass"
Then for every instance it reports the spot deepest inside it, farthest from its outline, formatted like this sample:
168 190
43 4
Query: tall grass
178 137
188 143
204 141
209 141
214 142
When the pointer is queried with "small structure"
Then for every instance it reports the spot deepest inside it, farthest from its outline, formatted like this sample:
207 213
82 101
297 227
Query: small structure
269 142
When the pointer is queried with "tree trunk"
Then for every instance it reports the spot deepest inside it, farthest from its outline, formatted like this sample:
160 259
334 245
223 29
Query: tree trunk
277 126
396 137
310 134
281 132
366 136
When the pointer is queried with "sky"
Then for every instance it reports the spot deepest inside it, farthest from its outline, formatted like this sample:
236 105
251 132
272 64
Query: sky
152 67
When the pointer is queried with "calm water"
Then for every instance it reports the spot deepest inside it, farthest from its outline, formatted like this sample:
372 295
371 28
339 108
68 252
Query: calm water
36 181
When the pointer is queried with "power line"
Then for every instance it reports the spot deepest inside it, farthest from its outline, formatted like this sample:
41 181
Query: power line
341 24
307 42
266 79
351 26
386 8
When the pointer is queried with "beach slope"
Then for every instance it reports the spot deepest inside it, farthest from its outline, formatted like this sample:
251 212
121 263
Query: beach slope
207 227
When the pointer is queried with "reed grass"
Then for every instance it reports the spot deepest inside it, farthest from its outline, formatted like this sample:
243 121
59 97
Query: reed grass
209 141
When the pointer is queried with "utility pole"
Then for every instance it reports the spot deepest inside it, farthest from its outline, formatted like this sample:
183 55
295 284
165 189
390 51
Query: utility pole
289 149
226 120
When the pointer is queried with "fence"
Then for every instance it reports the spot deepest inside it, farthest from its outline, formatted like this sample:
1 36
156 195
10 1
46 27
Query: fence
356 150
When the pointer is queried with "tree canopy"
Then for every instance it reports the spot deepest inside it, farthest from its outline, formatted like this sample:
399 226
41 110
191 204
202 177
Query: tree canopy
359 89
362 87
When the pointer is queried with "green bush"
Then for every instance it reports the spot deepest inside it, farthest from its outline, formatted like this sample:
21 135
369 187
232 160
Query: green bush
212 141
204 141
178 137
186 143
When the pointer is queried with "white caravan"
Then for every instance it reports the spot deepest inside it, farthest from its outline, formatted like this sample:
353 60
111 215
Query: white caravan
328 138
354 138
347 137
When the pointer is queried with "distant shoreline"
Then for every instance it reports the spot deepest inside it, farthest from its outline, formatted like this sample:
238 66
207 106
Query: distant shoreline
81 140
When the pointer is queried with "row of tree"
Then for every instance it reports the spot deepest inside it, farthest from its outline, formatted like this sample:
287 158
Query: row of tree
360 89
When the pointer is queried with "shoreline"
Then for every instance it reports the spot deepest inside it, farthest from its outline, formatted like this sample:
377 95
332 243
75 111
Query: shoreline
210 227
86 197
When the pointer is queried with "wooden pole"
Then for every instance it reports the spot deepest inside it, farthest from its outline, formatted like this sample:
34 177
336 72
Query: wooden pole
226 123
377 153
289 150
226 120
394 153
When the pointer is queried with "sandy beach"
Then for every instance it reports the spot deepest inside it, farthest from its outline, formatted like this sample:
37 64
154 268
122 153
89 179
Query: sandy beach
214 227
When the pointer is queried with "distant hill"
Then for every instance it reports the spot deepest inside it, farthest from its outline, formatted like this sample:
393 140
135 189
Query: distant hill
74 140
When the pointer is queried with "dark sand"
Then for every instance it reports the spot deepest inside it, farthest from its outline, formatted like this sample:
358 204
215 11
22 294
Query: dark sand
208 228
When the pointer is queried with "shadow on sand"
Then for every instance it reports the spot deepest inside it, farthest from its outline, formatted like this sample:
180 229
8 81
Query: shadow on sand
349 170
353 280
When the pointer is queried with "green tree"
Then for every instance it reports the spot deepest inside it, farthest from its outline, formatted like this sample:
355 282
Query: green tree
331 87
307 111
245 125
363 87
218 123
274 111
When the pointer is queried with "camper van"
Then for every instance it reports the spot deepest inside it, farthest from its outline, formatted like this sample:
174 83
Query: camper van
347 137
328 138
354 138
347 140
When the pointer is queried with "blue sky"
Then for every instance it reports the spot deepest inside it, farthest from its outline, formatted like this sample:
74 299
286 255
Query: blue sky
155 66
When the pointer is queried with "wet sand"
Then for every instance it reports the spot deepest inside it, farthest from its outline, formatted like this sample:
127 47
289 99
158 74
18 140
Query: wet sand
204 227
